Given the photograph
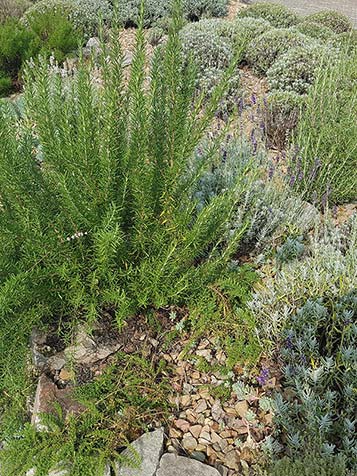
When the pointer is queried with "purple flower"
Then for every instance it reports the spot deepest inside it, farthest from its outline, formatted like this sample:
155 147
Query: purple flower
292 181
271 171
253 141
254 99
263 376
241 106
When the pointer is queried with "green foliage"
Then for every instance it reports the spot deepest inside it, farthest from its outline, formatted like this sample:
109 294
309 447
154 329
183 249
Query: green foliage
314 30
326 135
120 405
264 50
309 465
319 354
96 199
195 9
296 70
54 34
336 21
281 116
15 47
277 15
293 248
5 85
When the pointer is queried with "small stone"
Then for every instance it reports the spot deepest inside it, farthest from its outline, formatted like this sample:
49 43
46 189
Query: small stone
201 406
196 375
66 375
56 363
195 430
231 460
189 443
199 456
205 353
187 388
191 416
185 401
205 435
182 425
171 465
215 438
241 408
175 433
217 411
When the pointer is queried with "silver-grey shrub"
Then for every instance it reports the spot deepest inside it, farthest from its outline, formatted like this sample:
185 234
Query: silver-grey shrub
314 29
295 70
328 269
264 50
278 15
336 21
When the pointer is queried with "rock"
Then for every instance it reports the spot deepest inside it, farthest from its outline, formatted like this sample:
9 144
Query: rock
172 465
56 362
87 352
149 448
231 459
201 406
241 408
92 46
37 341
47 394
217 411
182 425
199 456
195 430
189 443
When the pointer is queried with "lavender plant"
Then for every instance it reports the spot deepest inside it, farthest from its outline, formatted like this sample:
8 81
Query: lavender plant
281 116
314 29
319 353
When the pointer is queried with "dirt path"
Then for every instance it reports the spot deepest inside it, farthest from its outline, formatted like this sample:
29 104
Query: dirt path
305 7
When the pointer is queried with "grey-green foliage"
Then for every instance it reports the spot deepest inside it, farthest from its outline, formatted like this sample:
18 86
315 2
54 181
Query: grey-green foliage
266 209
334 20
239 28
296 70
212 55
277 15
264 50
293 248
319 355
129 10
281 116
309 465
207 48
84 14
314 30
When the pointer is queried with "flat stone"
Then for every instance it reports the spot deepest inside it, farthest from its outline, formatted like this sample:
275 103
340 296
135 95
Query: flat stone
47 394
172 465
189 443
148 448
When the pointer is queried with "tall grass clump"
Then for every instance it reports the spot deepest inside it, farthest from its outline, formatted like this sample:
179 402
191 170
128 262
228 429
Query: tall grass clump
96 206
327 132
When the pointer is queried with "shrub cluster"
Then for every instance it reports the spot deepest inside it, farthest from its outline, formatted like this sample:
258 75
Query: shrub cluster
155 10
277 15
264 50
295 70
314 30
336 21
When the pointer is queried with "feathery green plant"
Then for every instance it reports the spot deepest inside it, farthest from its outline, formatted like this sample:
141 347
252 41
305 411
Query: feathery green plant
96 208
